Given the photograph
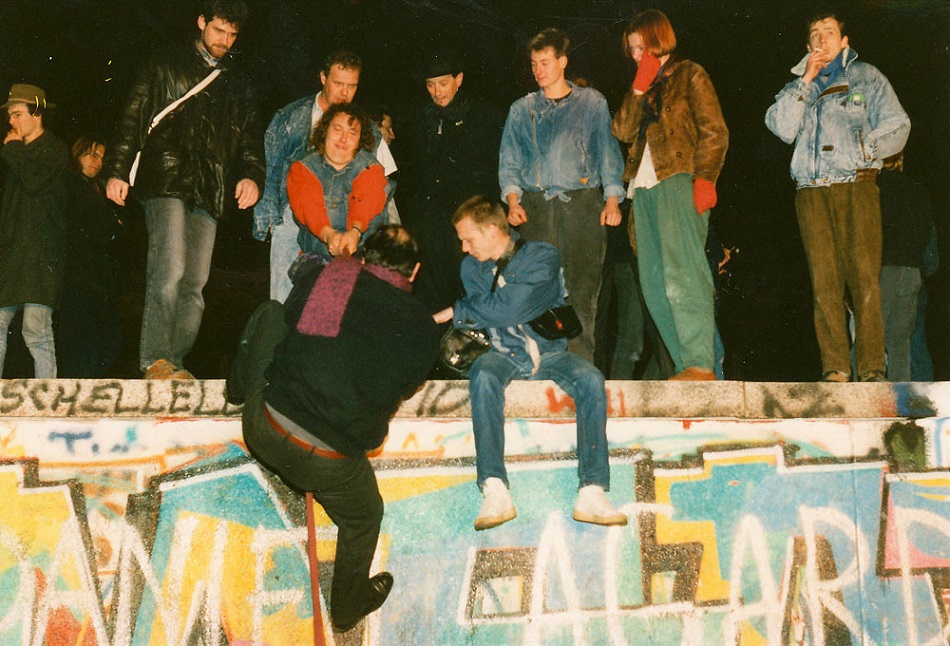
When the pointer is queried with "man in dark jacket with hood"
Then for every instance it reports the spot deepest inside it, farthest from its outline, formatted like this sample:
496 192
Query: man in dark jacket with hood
197 157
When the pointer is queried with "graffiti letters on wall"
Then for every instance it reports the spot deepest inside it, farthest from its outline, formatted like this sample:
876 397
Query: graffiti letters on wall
166 532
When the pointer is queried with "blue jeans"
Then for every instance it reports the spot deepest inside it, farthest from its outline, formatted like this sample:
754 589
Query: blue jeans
284 249
180 243
899 289
493 371
38 335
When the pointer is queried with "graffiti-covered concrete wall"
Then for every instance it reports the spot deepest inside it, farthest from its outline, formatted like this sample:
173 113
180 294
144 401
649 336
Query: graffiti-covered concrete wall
760 514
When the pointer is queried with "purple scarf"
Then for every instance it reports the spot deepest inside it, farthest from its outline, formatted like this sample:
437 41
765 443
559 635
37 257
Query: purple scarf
324 309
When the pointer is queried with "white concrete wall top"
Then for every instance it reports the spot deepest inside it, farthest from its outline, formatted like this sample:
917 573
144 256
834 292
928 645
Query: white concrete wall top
542 399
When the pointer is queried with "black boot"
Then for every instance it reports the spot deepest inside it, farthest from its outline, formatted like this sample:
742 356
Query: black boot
379 587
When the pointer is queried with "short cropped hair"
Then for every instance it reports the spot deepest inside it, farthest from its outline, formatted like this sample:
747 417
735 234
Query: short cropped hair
345 59
231 11
483 212
655 30
392 247
824 16
318 138
551 37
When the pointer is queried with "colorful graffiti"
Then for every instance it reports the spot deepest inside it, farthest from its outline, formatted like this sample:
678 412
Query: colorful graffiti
164 531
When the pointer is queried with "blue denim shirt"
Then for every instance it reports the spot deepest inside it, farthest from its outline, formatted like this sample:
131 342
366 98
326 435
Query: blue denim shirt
284 142
337 185
530 284
853 125
559 146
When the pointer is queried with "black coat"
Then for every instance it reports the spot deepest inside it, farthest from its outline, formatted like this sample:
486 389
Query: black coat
344 389
452 155
199 151
32 221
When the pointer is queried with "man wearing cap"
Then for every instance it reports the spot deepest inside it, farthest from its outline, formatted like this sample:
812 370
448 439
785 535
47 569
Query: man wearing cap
560 172
202 158
452 155
32 226
285 142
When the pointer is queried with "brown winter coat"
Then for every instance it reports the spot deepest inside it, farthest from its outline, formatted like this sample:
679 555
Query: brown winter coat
690 135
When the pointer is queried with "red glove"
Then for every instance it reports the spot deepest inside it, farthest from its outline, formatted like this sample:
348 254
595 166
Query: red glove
704 195
647 69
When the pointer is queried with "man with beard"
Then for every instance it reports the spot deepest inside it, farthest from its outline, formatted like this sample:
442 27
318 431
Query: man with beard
188 155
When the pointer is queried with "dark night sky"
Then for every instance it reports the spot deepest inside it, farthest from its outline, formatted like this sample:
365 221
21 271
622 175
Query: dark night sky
85 52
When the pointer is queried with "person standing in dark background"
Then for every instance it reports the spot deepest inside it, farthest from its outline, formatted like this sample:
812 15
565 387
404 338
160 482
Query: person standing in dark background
559 170
285 142
677 140
32 226
844 119
452 155
906 223
88 318
184 181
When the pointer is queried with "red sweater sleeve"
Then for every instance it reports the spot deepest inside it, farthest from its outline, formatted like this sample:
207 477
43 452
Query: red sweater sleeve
367 196
305 194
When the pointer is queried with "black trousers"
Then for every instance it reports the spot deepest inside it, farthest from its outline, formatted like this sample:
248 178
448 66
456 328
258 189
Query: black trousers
346 488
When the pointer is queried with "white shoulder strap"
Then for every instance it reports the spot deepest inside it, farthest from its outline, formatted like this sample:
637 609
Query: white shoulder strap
205 82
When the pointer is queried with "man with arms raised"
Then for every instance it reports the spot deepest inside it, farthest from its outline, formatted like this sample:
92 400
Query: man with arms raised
320 377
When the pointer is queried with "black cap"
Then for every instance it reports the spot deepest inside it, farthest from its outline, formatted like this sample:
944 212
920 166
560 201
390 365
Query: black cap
440 63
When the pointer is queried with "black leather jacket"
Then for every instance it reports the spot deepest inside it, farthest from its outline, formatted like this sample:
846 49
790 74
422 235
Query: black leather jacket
199 151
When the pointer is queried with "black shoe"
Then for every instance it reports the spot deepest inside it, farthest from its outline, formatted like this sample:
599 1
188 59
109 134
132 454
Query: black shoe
379 587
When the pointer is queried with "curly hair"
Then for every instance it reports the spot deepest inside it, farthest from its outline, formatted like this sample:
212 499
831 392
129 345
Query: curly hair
318 138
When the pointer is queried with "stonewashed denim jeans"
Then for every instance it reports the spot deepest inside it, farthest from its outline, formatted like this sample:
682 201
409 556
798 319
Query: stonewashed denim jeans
38 335
180 244
490 375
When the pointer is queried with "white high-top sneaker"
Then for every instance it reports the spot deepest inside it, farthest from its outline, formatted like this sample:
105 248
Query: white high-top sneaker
593 507
497 507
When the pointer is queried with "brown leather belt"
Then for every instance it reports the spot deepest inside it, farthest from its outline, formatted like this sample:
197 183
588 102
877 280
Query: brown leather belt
296 441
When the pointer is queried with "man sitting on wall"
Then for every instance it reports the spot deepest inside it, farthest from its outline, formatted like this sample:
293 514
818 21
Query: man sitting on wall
530 283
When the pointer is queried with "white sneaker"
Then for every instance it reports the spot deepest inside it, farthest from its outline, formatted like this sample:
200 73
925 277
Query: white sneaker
497 507
593 507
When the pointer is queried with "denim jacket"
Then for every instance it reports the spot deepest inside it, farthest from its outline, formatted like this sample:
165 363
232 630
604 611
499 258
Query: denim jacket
559 146
530 284
337 186
286 141
851 126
